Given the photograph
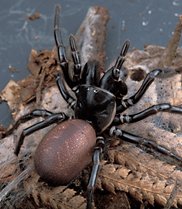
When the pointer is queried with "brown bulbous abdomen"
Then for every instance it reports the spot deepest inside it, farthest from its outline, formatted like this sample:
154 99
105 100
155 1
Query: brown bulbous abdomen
65 151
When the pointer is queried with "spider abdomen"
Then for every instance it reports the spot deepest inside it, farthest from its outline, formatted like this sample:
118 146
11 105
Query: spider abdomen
65 151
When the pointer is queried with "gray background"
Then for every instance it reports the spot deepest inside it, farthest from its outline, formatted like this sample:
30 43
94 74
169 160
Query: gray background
140 21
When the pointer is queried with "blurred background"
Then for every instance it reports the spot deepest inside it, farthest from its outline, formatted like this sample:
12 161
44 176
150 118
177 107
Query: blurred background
140 21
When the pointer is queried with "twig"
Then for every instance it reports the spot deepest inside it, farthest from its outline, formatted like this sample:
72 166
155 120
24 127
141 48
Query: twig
172 46
92 35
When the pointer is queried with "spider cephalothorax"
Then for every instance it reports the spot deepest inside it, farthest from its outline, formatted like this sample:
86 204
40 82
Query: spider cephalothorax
97 102
96 106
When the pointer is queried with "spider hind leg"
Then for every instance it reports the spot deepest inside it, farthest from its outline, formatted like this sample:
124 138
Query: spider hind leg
53 118
128 137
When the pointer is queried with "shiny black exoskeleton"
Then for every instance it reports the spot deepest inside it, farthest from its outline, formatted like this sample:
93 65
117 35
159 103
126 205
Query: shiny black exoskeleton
98 102
95 105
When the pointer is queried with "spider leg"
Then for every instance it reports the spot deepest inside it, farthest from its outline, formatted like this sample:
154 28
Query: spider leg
125 136
164 107
76 59
137 96
60 47
95 169
114 78
35 113
54 118
65 92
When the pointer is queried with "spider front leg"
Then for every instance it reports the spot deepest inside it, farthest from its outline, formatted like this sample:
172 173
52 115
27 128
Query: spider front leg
63 61
124 104
63 88
76 60
95 169
164 107
60 46
114 79
128 137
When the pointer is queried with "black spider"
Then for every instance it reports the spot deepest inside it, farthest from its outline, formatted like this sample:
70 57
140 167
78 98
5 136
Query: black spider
97 104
